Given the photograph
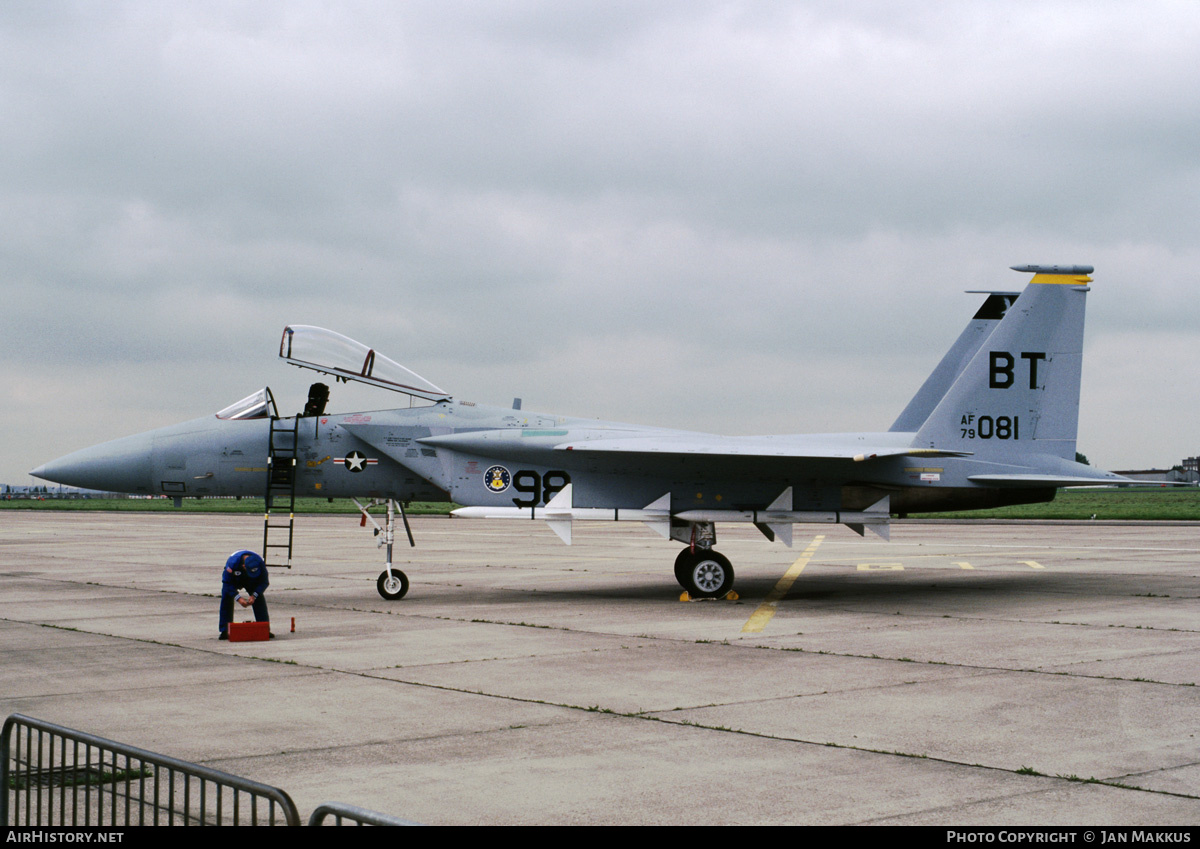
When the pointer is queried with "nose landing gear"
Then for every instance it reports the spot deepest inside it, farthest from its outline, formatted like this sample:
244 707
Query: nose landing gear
392 584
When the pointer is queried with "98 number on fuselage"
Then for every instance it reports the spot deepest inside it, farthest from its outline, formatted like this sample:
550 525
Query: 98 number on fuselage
538 488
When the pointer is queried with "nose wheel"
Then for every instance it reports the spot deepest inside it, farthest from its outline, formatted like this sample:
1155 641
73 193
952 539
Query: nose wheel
392 584
704 573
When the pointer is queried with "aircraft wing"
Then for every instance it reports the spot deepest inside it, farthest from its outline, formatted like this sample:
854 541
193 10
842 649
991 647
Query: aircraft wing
604 447
858 449
608 452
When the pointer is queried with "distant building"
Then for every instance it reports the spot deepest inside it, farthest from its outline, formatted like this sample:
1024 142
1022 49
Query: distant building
8 491
1150 475
1186 472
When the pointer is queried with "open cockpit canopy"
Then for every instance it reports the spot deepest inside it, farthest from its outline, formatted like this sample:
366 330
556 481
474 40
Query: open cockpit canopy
332 353
260 405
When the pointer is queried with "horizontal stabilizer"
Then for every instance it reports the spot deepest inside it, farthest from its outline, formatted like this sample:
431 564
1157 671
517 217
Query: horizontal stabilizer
1108 479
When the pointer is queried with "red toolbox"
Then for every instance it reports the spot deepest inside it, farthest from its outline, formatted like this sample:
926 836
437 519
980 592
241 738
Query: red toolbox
248 632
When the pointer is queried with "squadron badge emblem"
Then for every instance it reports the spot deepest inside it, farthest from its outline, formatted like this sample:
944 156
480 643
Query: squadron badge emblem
497 479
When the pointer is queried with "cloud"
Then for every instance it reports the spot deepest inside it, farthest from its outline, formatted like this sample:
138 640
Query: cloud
622 209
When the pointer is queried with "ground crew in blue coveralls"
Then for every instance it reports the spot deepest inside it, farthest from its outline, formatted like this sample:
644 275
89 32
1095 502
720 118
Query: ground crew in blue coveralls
244 570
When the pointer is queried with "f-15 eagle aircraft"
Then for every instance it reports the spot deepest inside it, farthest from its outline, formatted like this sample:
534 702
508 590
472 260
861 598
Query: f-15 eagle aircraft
995 424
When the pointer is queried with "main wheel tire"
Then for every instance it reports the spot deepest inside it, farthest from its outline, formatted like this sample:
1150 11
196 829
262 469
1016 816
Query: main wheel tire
393 586
682 561
707 574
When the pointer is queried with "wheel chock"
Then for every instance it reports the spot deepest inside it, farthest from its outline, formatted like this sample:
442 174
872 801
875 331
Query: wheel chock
729 596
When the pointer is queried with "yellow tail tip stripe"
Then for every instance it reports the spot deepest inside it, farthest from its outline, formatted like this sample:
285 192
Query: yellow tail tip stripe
1061 279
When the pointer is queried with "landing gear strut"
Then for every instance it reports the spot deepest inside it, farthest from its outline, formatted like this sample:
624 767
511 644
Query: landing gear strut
704 573
392 583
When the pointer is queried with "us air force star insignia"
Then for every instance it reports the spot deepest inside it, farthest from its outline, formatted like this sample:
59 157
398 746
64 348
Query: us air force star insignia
497 479
356 461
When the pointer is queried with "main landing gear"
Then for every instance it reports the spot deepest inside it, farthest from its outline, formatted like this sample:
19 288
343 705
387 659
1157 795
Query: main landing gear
704 573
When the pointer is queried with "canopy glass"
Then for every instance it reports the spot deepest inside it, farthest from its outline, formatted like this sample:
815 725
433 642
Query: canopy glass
334 354
260 405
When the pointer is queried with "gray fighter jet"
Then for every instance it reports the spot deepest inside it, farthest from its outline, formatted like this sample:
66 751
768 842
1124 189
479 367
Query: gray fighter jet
995 424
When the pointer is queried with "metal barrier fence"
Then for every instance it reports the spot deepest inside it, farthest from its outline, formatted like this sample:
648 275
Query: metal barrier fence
359 816
51 775
57 776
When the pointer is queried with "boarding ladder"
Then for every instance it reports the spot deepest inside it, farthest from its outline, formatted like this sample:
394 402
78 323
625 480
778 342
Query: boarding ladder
281 491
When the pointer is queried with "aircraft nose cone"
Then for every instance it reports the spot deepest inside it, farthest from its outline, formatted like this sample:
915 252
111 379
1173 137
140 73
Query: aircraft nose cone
122 465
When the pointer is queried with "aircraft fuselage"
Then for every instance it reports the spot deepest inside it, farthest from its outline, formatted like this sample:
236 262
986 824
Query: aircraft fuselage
496 457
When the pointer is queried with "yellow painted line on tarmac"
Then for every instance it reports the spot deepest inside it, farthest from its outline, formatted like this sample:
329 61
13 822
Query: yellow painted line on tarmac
1033 564
963 564
760 617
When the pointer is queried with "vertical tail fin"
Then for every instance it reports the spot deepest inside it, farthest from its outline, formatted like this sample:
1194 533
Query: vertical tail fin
956 359
1019 394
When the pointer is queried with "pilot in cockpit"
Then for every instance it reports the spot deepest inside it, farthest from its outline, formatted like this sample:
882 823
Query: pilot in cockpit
318 397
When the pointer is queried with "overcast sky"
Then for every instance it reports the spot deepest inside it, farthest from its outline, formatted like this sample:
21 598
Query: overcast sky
736 217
